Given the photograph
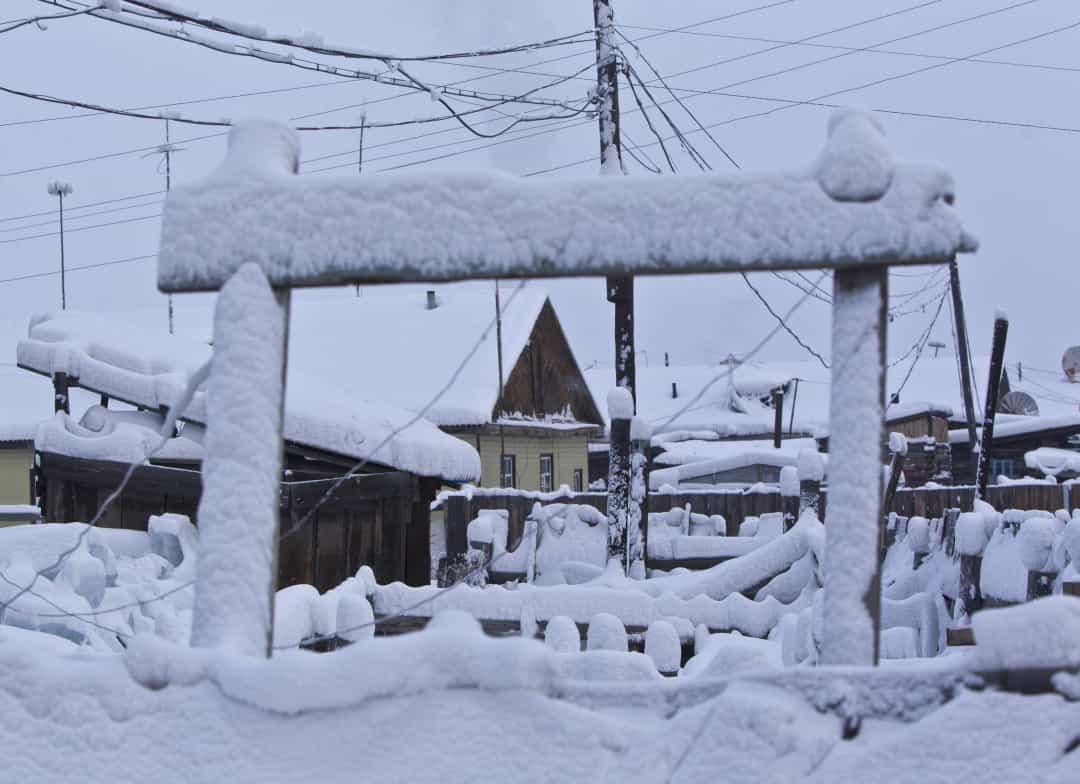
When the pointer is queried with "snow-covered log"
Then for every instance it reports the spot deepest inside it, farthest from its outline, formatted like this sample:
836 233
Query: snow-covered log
238 511
856 416
855 206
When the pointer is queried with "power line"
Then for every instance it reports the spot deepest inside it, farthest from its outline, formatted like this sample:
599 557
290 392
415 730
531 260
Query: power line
15 24
83 206
80 217
84 267
82 228
782 321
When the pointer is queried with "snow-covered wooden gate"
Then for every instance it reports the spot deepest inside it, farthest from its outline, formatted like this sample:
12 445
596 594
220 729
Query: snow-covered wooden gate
254 231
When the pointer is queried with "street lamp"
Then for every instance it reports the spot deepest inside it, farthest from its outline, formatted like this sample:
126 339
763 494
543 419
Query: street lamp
61 189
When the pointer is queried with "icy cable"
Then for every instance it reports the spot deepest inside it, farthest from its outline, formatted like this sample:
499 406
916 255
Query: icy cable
782 321
748 356
168 429
416 418
921 346
404 613
15 24
62 614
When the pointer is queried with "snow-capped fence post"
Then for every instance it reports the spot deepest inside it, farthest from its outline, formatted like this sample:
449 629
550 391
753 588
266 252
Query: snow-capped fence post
241 472
852 601
638 514
971 540
898 446
620 413
811 469
1036 538
789 496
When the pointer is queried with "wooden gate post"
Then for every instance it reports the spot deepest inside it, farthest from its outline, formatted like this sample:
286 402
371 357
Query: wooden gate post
852 606
238 513
789 496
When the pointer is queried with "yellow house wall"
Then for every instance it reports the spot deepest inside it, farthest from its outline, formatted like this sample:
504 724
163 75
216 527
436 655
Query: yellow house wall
15 475
569 452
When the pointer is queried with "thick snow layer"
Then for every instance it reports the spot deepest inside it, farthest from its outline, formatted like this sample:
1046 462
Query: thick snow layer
663 646
1041 633
971 537
789 481
447 226
1003 575
606 633
118 436
1036 540
150 368
562 635
620 403
1053 462
238 510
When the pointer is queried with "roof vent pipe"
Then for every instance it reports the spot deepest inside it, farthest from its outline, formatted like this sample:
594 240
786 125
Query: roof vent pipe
431 301
674 390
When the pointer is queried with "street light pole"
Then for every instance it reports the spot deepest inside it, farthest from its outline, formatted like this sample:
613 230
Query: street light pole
61 189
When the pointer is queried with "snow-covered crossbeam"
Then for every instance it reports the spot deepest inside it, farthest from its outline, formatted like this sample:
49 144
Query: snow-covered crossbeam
854 206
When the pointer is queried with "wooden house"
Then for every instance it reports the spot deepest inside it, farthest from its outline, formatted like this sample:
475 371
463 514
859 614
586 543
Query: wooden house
328 526
1015 437
530 423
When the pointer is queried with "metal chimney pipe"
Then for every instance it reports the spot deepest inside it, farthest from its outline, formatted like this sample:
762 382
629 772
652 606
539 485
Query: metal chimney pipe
432 303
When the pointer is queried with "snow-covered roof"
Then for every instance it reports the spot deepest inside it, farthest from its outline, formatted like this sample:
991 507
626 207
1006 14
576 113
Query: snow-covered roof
389 345
150 368
1012 425
855 205
692 459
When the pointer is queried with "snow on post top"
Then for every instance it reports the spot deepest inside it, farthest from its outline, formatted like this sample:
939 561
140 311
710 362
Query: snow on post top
854 206
261 148
856 164
620 403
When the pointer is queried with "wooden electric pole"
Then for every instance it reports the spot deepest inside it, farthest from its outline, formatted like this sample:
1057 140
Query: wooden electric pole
620 288
997 363
962 351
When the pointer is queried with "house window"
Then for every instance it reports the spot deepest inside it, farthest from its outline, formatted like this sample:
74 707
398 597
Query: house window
1002 466
547 473
509 471
579 480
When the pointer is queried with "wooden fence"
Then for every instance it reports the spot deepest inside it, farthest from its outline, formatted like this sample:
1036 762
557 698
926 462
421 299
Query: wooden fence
380 519
737 505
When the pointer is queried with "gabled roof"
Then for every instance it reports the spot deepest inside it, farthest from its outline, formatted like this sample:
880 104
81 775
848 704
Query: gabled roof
150 368
388 344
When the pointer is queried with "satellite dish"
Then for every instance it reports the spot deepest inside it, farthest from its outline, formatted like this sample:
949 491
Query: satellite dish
1018 403
1070 363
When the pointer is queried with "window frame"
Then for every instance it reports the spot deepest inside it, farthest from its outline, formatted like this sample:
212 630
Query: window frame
508 460
550 473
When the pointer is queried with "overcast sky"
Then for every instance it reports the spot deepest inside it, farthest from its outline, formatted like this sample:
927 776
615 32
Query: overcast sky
1015 185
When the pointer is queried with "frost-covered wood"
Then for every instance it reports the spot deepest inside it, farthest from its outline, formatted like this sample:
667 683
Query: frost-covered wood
854 206
857 413
238 511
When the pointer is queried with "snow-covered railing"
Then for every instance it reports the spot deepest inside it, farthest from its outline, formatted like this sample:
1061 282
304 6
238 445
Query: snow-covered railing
253 226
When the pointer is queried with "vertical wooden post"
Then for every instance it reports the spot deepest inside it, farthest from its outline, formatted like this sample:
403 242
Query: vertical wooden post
778 416
852 606
971 539
456 519
986 448
789 496
620 413
896 468
638 502
61 388
960 324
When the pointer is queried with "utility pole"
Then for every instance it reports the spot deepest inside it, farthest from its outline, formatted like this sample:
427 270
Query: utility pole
360 170
61 189
167 149
620 288
498 397
965 357
997 364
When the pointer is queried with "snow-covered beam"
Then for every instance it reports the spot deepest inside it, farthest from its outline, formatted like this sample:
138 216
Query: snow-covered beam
854 206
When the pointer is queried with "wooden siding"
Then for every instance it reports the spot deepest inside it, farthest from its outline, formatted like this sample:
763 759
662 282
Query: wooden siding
546 378
15 475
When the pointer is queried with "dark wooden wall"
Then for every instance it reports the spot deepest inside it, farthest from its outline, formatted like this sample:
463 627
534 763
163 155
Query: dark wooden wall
546 378
378 519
